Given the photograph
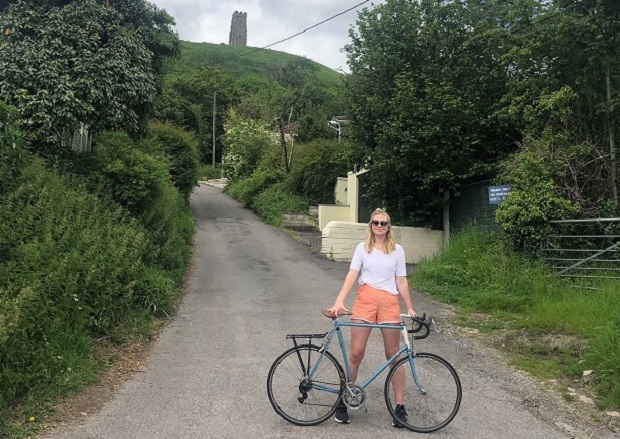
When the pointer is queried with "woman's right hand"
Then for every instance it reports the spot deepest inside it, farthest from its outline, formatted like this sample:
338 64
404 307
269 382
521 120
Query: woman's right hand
337 307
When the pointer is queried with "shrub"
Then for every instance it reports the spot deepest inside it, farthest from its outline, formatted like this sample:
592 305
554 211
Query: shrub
244 143
246 190
69 271
316 167
276 200
133 178
534 197
170 227
208 172
181 150
13 156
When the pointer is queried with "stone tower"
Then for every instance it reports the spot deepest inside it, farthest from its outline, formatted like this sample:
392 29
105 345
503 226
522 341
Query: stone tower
238 29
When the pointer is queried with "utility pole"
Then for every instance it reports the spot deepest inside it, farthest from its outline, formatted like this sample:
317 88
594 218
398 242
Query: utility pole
214 100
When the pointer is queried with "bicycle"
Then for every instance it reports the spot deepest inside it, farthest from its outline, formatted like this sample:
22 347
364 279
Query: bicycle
306 382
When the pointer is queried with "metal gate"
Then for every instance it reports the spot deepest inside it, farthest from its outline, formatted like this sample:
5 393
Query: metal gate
584 248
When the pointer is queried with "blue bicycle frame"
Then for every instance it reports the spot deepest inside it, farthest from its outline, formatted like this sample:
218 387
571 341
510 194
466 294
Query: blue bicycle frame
406 347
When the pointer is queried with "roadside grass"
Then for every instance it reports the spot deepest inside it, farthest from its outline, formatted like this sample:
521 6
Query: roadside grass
553 328
26 416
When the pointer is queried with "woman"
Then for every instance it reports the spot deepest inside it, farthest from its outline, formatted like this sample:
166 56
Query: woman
380 264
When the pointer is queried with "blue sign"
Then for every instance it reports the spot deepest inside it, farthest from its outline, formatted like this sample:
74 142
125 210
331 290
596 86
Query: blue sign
497 194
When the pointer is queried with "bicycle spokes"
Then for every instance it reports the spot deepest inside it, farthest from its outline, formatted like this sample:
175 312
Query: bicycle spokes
431 392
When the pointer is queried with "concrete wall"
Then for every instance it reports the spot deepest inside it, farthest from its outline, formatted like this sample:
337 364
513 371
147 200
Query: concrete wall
332 212
346 205
340 191
352 195
340 239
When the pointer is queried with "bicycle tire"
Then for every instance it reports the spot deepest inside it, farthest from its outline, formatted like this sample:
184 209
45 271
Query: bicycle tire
287 385
433 410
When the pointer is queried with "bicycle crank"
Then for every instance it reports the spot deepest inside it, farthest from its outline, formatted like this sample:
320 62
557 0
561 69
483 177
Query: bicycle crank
354 396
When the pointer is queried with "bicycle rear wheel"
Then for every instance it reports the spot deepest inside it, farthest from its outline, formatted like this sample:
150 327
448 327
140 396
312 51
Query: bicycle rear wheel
299 398
432 402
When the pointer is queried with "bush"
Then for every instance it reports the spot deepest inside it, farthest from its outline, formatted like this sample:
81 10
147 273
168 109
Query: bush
170 227
181 150
244 143
140 181
208 172
68 273
316 167
13 156
134 179
276 200
534 197
246 190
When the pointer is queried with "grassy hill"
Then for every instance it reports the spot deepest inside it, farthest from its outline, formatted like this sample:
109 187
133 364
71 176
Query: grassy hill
253 67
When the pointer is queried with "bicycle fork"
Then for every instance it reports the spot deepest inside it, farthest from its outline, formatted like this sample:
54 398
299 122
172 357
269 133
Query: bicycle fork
414 372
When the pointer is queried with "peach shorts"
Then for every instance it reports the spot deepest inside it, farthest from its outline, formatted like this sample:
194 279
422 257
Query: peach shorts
375 306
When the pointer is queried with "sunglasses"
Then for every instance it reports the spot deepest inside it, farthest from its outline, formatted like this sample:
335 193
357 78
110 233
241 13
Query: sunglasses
379 223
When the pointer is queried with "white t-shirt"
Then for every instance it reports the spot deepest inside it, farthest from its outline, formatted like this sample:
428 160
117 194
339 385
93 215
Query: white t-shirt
377 269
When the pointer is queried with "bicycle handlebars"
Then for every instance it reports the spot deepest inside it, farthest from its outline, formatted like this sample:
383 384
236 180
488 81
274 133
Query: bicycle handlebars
417 322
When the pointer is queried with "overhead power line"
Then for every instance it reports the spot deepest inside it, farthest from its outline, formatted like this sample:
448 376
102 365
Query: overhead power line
299 33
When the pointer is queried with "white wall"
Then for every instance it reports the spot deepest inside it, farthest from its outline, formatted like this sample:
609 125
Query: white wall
340 239
340 191
332 212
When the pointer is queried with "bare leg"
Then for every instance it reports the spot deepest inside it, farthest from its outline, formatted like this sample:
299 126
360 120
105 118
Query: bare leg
391 342
359 339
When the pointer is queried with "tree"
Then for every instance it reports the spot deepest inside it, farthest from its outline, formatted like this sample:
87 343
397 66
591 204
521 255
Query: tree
425 95
245 141
573 51
594 28
66 62
293 98
188 102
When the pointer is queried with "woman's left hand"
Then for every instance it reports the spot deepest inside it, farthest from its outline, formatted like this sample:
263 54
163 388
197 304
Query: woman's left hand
412 312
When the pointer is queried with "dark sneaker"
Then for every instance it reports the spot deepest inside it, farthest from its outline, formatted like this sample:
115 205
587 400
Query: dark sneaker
401 414
342 415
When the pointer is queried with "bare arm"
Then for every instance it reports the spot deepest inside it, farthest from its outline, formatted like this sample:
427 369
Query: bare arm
344 291
403 288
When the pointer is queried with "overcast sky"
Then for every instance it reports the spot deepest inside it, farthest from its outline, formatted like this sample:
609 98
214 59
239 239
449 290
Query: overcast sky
269 21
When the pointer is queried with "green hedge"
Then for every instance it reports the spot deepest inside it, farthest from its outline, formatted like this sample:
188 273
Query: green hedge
267 193
91 247
276 200
246 190
316 167
133 178
181 150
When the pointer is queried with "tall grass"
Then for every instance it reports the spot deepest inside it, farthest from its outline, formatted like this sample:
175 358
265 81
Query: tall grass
479 273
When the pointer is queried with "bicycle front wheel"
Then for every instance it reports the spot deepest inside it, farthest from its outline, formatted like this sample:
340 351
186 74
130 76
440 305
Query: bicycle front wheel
303 386
431 392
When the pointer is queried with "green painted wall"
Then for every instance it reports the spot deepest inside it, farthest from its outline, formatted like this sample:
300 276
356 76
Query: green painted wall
471 205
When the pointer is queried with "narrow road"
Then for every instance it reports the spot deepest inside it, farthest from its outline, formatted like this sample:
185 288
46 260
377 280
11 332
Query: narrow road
249 286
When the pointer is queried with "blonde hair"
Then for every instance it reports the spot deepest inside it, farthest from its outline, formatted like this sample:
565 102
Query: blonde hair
390 244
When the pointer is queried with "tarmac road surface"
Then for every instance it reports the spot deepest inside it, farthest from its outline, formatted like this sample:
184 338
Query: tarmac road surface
249 286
